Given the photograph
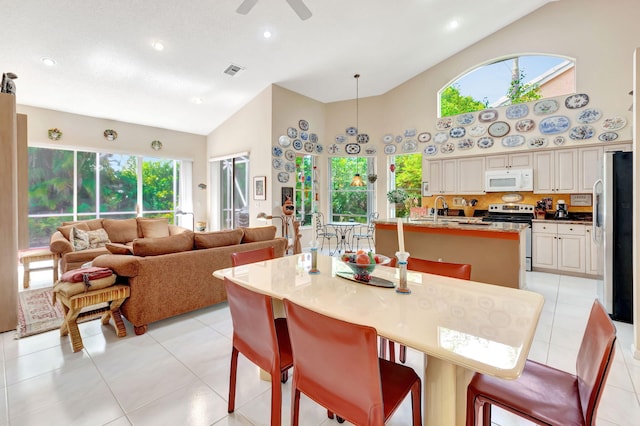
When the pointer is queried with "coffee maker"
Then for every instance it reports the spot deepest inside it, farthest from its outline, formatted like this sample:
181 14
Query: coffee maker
561 210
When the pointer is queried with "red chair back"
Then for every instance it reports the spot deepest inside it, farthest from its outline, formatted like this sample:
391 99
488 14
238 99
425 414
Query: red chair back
336 364
447 269
252 256
254 332
594 359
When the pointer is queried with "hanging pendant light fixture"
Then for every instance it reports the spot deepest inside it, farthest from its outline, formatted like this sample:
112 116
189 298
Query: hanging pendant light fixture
357 179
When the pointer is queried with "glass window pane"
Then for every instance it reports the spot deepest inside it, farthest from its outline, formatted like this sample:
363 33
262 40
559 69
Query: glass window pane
304 189
408 176
157 185
50 181
41 229
86 184
349 202
118 183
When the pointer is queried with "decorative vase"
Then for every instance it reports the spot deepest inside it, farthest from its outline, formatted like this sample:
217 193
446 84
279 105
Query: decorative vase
201 226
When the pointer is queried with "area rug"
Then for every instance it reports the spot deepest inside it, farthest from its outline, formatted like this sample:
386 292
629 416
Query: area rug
37 313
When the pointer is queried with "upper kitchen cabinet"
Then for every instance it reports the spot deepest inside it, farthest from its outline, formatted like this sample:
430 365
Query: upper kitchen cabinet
442 176
555 171
471 175
590 167
509 161
456 176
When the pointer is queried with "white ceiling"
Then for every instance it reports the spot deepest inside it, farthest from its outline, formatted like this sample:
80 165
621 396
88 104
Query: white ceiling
106 67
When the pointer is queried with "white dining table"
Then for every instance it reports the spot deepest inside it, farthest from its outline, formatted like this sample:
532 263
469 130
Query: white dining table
343 230
460 326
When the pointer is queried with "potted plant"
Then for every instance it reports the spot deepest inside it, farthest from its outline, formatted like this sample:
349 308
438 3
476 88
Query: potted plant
398 197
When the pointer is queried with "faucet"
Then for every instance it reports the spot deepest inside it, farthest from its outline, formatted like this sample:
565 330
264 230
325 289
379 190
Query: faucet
435 207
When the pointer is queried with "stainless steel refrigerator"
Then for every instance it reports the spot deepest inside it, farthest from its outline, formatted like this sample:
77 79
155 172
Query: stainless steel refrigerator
613 226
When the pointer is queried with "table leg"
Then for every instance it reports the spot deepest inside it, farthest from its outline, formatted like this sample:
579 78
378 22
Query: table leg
444 392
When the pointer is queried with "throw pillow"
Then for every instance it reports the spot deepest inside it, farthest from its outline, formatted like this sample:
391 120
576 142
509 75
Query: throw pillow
163 245
65 230
116 248
121 230
204 240
261 233
153 228
83 240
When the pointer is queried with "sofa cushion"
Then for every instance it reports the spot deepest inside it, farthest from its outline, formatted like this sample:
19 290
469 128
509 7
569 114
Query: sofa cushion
65 230
163 245
117 248
260 233
204 240
83 256
153 227
83 240
121 230
93 224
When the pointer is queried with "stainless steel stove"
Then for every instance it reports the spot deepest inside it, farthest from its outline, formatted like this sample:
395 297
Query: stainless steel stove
514 213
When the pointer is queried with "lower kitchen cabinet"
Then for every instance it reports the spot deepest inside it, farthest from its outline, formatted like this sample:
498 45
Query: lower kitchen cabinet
560 247
591 251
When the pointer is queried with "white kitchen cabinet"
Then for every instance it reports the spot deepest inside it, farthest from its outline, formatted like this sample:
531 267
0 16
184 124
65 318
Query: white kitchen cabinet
470 175
625 147
555 171
589 167
559 246
591 252
442 176
509 161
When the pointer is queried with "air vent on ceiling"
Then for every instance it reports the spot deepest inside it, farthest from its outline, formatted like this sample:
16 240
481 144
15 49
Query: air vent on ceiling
233 69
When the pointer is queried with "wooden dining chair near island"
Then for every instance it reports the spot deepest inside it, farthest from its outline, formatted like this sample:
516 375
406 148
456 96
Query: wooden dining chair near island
545 395
447 269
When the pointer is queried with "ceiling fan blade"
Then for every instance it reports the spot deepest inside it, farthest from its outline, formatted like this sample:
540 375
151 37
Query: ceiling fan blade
300 9
246 6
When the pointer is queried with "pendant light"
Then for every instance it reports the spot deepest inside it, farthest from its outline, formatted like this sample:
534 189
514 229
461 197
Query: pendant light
357 179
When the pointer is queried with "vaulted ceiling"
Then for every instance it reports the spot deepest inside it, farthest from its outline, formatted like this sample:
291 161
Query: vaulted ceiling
106 65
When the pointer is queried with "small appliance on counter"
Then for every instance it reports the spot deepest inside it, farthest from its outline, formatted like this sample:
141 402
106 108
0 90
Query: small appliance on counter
561 210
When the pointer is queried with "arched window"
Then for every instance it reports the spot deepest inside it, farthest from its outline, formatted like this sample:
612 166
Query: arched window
508 81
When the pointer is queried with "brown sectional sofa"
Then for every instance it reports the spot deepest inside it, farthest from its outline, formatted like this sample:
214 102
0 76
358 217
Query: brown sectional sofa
172 275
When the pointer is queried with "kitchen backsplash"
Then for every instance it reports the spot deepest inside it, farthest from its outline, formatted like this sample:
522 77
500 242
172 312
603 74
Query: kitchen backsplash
496 198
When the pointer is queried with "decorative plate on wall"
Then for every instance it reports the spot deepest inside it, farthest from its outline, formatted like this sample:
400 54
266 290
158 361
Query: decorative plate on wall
363 138
583 132
424 137
465 119
110 135
559 140
304 136
313 137
589 115
390 149
292 132
485 142
553 125
409 146
156 145
410 133
284 141
353 148
297 144
303 124
547 106
290 155
430 150
276 151
614 123
512 141
440 137
576 101
487 116
333 149
537 142
448 148
319 148
283 177
444 123
54 134
608 136
516 111
388 138
351 131
525 125
276 163
457 132
499 129
477 130
465 143
308 146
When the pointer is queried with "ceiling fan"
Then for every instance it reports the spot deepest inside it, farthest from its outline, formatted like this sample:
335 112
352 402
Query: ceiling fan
298 7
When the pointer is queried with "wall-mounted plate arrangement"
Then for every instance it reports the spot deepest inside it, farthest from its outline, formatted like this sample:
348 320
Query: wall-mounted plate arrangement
448 148
525 125
516 111
457 132
444 123
487 116
424 137
589 115
292 132
547 106
607 136
485 142
499 129
388 138
110 135
578 100
303 124
580 133
537 142
465 119
553 125
441 137
512 141
613 123
430 150
465 143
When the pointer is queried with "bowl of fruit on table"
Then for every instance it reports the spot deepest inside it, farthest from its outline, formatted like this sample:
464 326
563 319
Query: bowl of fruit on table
363 263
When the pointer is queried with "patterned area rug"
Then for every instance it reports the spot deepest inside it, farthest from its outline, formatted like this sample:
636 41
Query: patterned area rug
37 313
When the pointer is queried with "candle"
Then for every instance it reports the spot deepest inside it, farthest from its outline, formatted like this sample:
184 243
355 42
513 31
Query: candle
400 236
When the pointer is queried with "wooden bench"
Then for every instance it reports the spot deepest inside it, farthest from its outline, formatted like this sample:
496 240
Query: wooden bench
108 299
37 255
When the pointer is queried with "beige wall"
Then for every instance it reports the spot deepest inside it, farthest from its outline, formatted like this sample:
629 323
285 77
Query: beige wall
82 132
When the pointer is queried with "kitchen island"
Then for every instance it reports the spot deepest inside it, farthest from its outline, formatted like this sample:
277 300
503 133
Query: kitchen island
495 250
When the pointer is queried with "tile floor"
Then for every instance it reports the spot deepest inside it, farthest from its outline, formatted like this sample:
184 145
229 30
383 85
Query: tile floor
177 373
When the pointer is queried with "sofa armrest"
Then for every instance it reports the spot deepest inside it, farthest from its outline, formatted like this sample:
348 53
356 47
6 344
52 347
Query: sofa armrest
122 265
175 229
59 244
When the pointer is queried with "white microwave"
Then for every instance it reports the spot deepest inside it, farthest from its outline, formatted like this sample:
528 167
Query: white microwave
508 180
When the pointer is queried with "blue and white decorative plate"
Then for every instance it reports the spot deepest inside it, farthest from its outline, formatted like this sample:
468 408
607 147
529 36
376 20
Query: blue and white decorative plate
608 136
388 138
559 140
430 149
276 163
457 132
546 106
465 119
487 116
580 133
499 129
363 138
516 111
283 177
537 142
553 125
297 144
409 133
485 142
284 141
292 132
319 148
276 151
465 143
512 141
290 167
351 131
440 137
444 123
409 146
333 149
589 115
390 149
290 155
313 137
370 150
304 136
353 148
399 138
576 101
448 148
341 138
477 130
424 137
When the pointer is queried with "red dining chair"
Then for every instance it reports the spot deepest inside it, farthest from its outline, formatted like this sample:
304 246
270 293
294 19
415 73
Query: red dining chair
545 395
251 256
447 269
336 364
260 337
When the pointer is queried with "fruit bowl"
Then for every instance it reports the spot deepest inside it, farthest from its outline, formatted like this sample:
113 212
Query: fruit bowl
362 271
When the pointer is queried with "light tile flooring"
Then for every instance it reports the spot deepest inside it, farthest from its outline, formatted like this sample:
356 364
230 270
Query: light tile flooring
177 373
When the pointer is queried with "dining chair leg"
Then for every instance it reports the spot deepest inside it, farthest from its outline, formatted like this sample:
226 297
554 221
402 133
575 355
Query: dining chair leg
416 403
403 354
295 406
383 348
392 351
232 380
276 399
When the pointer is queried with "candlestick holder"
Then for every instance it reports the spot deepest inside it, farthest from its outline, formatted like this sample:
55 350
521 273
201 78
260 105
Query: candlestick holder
403 258
314 258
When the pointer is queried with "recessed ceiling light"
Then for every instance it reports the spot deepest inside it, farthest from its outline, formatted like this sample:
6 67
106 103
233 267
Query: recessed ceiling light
198 101
158 45
454 24
267 34
48 62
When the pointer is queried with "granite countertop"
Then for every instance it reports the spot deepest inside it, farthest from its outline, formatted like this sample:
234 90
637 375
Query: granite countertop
459 223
